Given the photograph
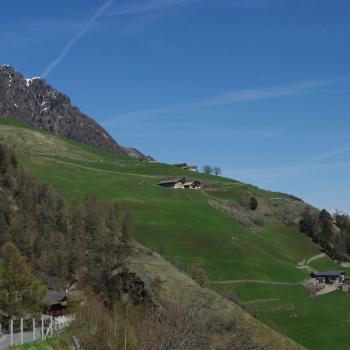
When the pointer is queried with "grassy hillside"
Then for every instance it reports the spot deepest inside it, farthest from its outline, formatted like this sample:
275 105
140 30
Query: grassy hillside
182 225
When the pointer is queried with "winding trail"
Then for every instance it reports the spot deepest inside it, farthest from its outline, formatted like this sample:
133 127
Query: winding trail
305 264
256 301
229 282
102 171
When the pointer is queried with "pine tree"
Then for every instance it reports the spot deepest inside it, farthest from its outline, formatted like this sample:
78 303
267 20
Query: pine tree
20 293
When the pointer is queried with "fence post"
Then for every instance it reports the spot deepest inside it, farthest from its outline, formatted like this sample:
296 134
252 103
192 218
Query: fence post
33 329
11 330
51 320
42 328
21 331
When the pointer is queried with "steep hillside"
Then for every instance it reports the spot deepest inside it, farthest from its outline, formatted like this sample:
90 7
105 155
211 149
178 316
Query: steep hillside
37 103
255 254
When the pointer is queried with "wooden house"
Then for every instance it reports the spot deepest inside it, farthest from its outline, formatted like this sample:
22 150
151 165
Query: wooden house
56 302
196 185
181 165
329 277
193 168
173 183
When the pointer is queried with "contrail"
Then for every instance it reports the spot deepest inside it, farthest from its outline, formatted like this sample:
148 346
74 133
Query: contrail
327 155
76 38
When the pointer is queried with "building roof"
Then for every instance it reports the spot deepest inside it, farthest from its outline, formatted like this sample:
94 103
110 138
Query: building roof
181 165
55 297
326 274
195 182
170 181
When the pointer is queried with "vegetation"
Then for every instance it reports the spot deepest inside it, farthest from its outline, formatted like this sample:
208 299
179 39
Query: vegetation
191 231
207 169
333 235
20 293
290 310
57 343
84 241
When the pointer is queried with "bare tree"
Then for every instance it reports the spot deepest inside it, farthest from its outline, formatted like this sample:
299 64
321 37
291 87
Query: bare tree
178 325
216 170
208 169
197 272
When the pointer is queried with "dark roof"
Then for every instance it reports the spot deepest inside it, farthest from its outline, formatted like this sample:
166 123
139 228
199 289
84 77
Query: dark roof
193 182
169 181
326 274
55 297
181 165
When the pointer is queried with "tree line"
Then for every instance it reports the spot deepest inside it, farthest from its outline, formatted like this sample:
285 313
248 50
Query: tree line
84 241
332 234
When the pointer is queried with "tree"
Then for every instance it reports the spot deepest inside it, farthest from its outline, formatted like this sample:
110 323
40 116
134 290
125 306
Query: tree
20 293
208 169
307 223
216 170
326 229
126 229
198 274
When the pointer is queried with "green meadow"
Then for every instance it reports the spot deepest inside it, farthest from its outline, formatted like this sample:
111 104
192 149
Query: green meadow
186 229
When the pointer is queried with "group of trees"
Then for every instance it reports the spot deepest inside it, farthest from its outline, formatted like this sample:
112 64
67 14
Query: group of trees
85 241
212 170
20 292
333 234
184 323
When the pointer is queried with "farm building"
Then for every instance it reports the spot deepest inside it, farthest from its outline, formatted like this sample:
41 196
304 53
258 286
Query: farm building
56 302
329 277
193 168
173 183
193 185
181 183
184 166
181 165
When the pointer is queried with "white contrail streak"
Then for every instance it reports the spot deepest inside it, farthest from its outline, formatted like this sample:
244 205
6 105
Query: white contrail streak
76 38
325 156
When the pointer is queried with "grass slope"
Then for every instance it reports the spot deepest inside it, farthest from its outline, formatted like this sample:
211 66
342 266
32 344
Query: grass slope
182 225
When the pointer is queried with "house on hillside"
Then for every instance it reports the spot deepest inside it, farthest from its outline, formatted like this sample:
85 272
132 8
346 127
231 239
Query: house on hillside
181 165
193 168
184 166
196 185
173 183
329 277
56 302
181 183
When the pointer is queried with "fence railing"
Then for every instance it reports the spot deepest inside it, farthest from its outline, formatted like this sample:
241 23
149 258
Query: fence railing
23 331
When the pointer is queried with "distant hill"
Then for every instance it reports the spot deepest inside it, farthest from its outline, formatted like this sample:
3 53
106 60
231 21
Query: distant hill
37 103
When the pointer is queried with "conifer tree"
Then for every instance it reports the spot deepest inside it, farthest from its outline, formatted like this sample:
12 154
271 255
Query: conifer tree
20 293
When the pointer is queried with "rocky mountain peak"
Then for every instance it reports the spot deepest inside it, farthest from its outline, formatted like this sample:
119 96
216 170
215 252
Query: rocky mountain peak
35 102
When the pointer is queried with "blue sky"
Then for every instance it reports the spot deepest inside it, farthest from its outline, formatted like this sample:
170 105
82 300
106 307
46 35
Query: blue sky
257 87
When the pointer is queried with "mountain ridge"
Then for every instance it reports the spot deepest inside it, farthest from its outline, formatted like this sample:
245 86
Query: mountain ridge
36 102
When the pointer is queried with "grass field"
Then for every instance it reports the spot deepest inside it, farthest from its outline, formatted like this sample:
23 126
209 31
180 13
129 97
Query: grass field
317 323
57 342
185 228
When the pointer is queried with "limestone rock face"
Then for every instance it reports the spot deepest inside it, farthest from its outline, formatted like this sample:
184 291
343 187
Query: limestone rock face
35 102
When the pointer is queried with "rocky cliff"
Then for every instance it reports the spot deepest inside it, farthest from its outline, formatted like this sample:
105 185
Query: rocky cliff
35 102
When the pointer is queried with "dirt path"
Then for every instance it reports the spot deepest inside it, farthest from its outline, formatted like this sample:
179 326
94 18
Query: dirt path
305 264
256 282
109 172
260 301
327 289
316 257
